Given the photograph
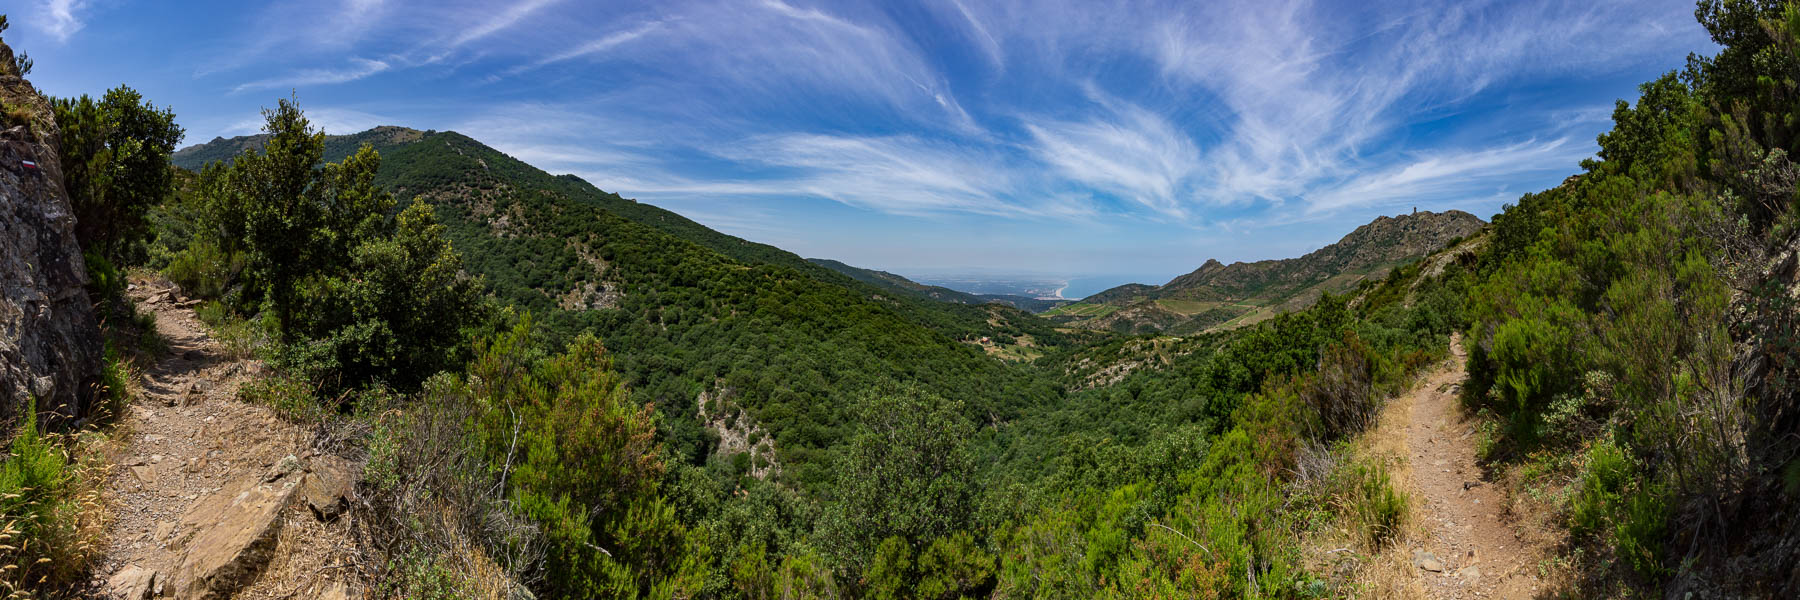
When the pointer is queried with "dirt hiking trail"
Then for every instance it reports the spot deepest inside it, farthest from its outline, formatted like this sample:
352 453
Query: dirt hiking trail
1473 546
212 497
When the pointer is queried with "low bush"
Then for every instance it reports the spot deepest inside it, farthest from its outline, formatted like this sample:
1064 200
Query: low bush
292 397
433 503
115 392
49 513
106 284
1370 501
205 271
239 337
1615 501
1340 392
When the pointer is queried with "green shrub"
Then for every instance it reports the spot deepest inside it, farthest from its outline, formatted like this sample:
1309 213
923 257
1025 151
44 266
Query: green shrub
294 398
906 475
1373 505
1641 529
954 567
438 515
427 577
106 285
1614 499
150 342
580 460
47 533
239 337
115 393
203 270
1339 392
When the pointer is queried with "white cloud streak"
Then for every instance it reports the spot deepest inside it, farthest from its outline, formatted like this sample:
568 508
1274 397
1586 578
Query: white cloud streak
592 47
58 18
492 21
333 121
1447 177
358 69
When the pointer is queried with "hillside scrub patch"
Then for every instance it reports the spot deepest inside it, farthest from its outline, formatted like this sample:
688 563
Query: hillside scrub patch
1339 391
1615 502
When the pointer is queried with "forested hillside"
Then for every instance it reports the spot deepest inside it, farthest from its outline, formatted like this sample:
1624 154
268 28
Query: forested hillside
693 313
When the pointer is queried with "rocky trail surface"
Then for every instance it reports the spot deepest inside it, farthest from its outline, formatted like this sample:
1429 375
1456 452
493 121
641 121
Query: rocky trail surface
1474 547
213 497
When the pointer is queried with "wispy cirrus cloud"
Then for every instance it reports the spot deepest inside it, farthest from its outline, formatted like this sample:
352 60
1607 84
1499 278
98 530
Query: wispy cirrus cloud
591 47
358 69
480 21
898 174
329 119
1448 176
1130 152
1217 118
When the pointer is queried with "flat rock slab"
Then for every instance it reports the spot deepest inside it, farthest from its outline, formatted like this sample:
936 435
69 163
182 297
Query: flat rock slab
1427 561
226 538
133 583
144 473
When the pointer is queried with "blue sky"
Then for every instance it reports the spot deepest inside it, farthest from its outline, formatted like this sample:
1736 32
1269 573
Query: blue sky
937 136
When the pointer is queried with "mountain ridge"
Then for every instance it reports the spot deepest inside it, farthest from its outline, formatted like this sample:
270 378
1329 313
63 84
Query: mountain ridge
1217 294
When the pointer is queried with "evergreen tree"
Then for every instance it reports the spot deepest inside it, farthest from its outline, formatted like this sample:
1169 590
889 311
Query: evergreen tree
115 161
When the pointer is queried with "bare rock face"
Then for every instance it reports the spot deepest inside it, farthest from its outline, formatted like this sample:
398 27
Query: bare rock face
228 537
49 339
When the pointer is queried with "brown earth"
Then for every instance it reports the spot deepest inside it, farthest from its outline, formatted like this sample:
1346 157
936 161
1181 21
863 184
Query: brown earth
1467 543
212 497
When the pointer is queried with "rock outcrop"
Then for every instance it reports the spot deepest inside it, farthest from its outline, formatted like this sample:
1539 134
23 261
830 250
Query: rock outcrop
49 339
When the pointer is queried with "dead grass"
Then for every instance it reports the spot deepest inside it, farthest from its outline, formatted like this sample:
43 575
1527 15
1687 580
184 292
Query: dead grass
1388 572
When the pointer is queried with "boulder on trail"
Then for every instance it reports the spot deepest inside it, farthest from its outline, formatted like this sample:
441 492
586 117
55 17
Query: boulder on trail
1427 561
328 485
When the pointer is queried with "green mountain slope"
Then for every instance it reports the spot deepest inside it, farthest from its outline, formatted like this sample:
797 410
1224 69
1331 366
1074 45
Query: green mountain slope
692 313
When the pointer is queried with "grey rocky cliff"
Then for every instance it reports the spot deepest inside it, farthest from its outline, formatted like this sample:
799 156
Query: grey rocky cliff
49 340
